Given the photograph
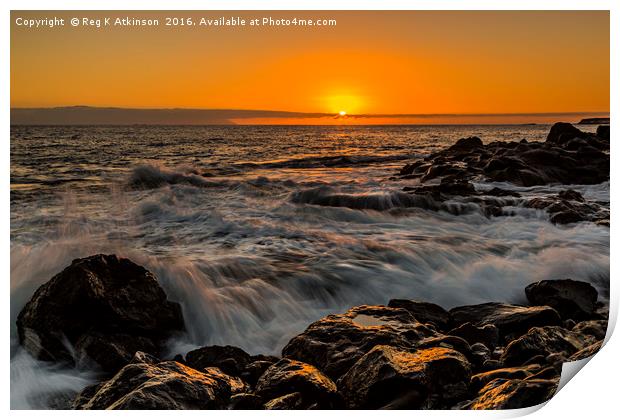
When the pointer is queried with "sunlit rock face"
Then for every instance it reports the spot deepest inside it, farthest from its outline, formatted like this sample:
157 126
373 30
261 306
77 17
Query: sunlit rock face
336 342
162 386
501 394
100 309
311 387
389 378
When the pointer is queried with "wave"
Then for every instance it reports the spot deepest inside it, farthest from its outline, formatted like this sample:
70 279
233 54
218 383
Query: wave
329 161
151 176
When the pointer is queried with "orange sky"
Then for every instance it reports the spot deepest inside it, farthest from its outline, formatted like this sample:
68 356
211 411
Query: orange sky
371 62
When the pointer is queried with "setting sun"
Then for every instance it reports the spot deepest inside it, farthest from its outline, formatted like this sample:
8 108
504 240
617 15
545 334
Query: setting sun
342 113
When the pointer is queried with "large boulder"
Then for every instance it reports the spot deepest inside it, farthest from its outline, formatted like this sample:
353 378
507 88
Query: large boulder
162 386
424 312
487 334
511 320
562 132
104 306
503 394
336 342
390 378
543 341
572 299
290 376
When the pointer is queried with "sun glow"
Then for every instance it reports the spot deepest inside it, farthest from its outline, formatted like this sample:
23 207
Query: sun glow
342 113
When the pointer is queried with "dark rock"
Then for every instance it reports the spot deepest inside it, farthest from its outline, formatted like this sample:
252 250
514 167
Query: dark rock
563 132
110 351
509 319
292 401
245 401
481 379
389 378
595 328
467 144
546 373
502 394
231 360
336 342
543 341
290 376
572 299
602 131
587 351
487 334
424 312
96 299
142 357
569 207
254 370
163 386
499 192
569 156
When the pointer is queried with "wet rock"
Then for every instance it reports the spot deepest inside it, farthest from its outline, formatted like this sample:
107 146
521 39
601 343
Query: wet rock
336 342
572 299
110 351
481 379
587 351
502 394
389 378
569 156
163 386
569 207
509 319
424 312
106 306
543 341
546 373
595 328
487 334
231 360
290 376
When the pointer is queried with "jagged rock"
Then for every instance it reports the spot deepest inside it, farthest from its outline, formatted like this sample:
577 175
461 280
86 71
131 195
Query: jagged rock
502 394
487 334
587 351
424 312
572 299
163 386
543 341
479 380
595 328
509 319
569 156
105 306
336 342
389 378
290 376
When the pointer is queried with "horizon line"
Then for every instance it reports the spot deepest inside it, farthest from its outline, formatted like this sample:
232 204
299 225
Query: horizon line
302 114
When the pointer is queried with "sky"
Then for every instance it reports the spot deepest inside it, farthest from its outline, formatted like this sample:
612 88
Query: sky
404 62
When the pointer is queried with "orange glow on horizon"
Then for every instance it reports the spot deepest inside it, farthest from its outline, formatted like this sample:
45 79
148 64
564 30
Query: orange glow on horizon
419 62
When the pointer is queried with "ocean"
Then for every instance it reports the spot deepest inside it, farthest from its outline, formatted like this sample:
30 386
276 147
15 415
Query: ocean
220 214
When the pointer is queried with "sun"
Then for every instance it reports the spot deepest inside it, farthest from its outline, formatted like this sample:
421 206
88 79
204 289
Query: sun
342 113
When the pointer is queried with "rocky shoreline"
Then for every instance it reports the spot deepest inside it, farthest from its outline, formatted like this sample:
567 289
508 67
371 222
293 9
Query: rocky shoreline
108 313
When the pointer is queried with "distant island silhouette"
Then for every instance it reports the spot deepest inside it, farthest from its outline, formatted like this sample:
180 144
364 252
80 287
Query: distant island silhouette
87 115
